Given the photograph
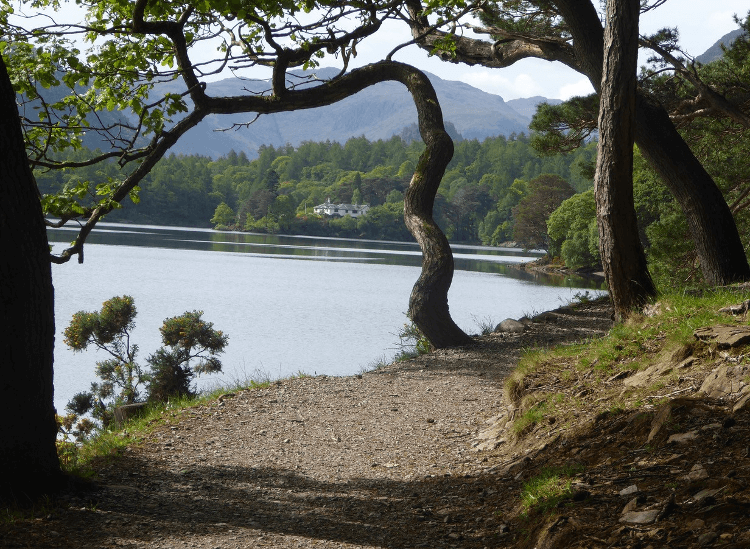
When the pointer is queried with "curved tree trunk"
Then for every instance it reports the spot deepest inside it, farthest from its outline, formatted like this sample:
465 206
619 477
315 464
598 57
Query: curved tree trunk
28 456
711 223
630 285
428 305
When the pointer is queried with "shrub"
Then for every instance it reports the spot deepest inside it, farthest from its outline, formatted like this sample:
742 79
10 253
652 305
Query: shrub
191 346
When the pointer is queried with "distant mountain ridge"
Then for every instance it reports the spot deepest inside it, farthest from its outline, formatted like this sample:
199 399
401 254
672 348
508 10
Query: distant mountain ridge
378 112
715 52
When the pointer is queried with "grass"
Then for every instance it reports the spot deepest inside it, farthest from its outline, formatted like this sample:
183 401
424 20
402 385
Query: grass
375 365
411 343
548 490
38 509
589 366
486 324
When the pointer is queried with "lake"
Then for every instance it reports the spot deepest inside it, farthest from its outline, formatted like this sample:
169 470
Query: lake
289 304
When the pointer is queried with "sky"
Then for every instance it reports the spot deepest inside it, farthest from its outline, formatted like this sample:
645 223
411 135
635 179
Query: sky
701 24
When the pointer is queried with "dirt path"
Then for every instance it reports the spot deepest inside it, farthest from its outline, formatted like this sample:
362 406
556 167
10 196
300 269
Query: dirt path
383 459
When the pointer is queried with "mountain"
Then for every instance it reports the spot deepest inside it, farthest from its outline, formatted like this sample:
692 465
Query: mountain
378 112
527 107
714 52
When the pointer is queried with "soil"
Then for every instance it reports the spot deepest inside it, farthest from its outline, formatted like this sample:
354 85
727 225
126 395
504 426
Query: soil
423 453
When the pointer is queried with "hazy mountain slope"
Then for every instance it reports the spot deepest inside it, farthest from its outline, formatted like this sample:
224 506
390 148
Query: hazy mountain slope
527 106
378 112
714 52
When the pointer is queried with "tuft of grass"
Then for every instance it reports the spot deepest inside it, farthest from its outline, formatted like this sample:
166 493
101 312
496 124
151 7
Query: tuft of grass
548 489
375 365
486 325
412 343
530 417
38 509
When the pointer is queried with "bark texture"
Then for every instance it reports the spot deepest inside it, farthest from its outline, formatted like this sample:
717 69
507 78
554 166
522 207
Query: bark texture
28 456
428 305
624 261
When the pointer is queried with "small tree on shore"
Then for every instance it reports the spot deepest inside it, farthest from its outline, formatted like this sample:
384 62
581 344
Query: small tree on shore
189 338
108 330
186 338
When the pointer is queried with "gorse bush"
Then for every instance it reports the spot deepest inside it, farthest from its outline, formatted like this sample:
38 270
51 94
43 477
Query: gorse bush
189 339
121 376
191 347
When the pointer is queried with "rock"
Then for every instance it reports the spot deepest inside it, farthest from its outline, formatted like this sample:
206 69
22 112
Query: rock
696 525
743 401
705 494
492 437
660 419
631 506
707 538
698 472
683 438
665 365
725 336
640 517
738 309
510 326
629 490
725 381
126 412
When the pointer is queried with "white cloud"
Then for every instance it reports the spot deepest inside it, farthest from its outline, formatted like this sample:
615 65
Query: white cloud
582 87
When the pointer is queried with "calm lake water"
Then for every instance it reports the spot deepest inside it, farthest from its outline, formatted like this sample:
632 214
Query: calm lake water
289 304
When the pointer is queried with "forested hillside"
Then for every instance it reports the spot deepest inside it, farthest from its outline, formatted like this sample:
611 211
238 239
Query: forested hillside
277 191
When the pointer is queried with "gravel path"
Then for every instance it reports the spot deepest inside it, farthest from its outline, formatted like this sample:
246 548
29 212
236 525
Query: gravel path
382 459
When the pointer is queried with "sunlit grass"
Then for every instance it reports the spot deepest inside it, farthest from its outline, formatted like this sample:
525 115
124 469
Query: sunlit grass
548 489
588 368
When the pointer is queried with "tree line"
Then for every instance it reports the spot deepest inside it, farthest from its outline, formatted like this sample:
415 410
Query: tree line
277 191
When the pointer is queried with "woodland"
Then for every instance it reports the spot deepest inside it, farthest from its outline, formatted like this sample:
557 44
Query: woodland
277 191
687 121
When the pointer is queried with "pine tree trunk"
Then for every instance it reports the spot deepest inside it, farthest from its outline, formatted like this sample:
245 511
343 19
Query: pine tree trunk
624 261
428 305
711 223
28 456
712 227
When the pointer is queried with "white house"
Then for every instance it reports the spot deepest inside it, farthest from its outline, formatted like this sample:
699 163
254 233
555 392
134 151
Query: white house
340 210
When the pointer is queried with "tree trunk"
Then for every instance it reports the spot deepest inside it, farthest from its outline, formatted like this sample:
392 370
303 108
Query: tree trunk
428 304
711 223
717 242
624 261
28 456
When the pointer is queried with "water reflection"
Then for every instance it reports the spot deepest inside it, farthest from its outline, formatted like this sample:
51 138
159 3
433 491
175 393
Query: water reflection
484 259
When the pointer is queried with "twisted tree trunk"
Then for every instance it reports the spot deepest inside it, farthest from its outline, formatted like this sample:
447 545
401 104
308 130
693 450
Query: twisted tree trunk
428 305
